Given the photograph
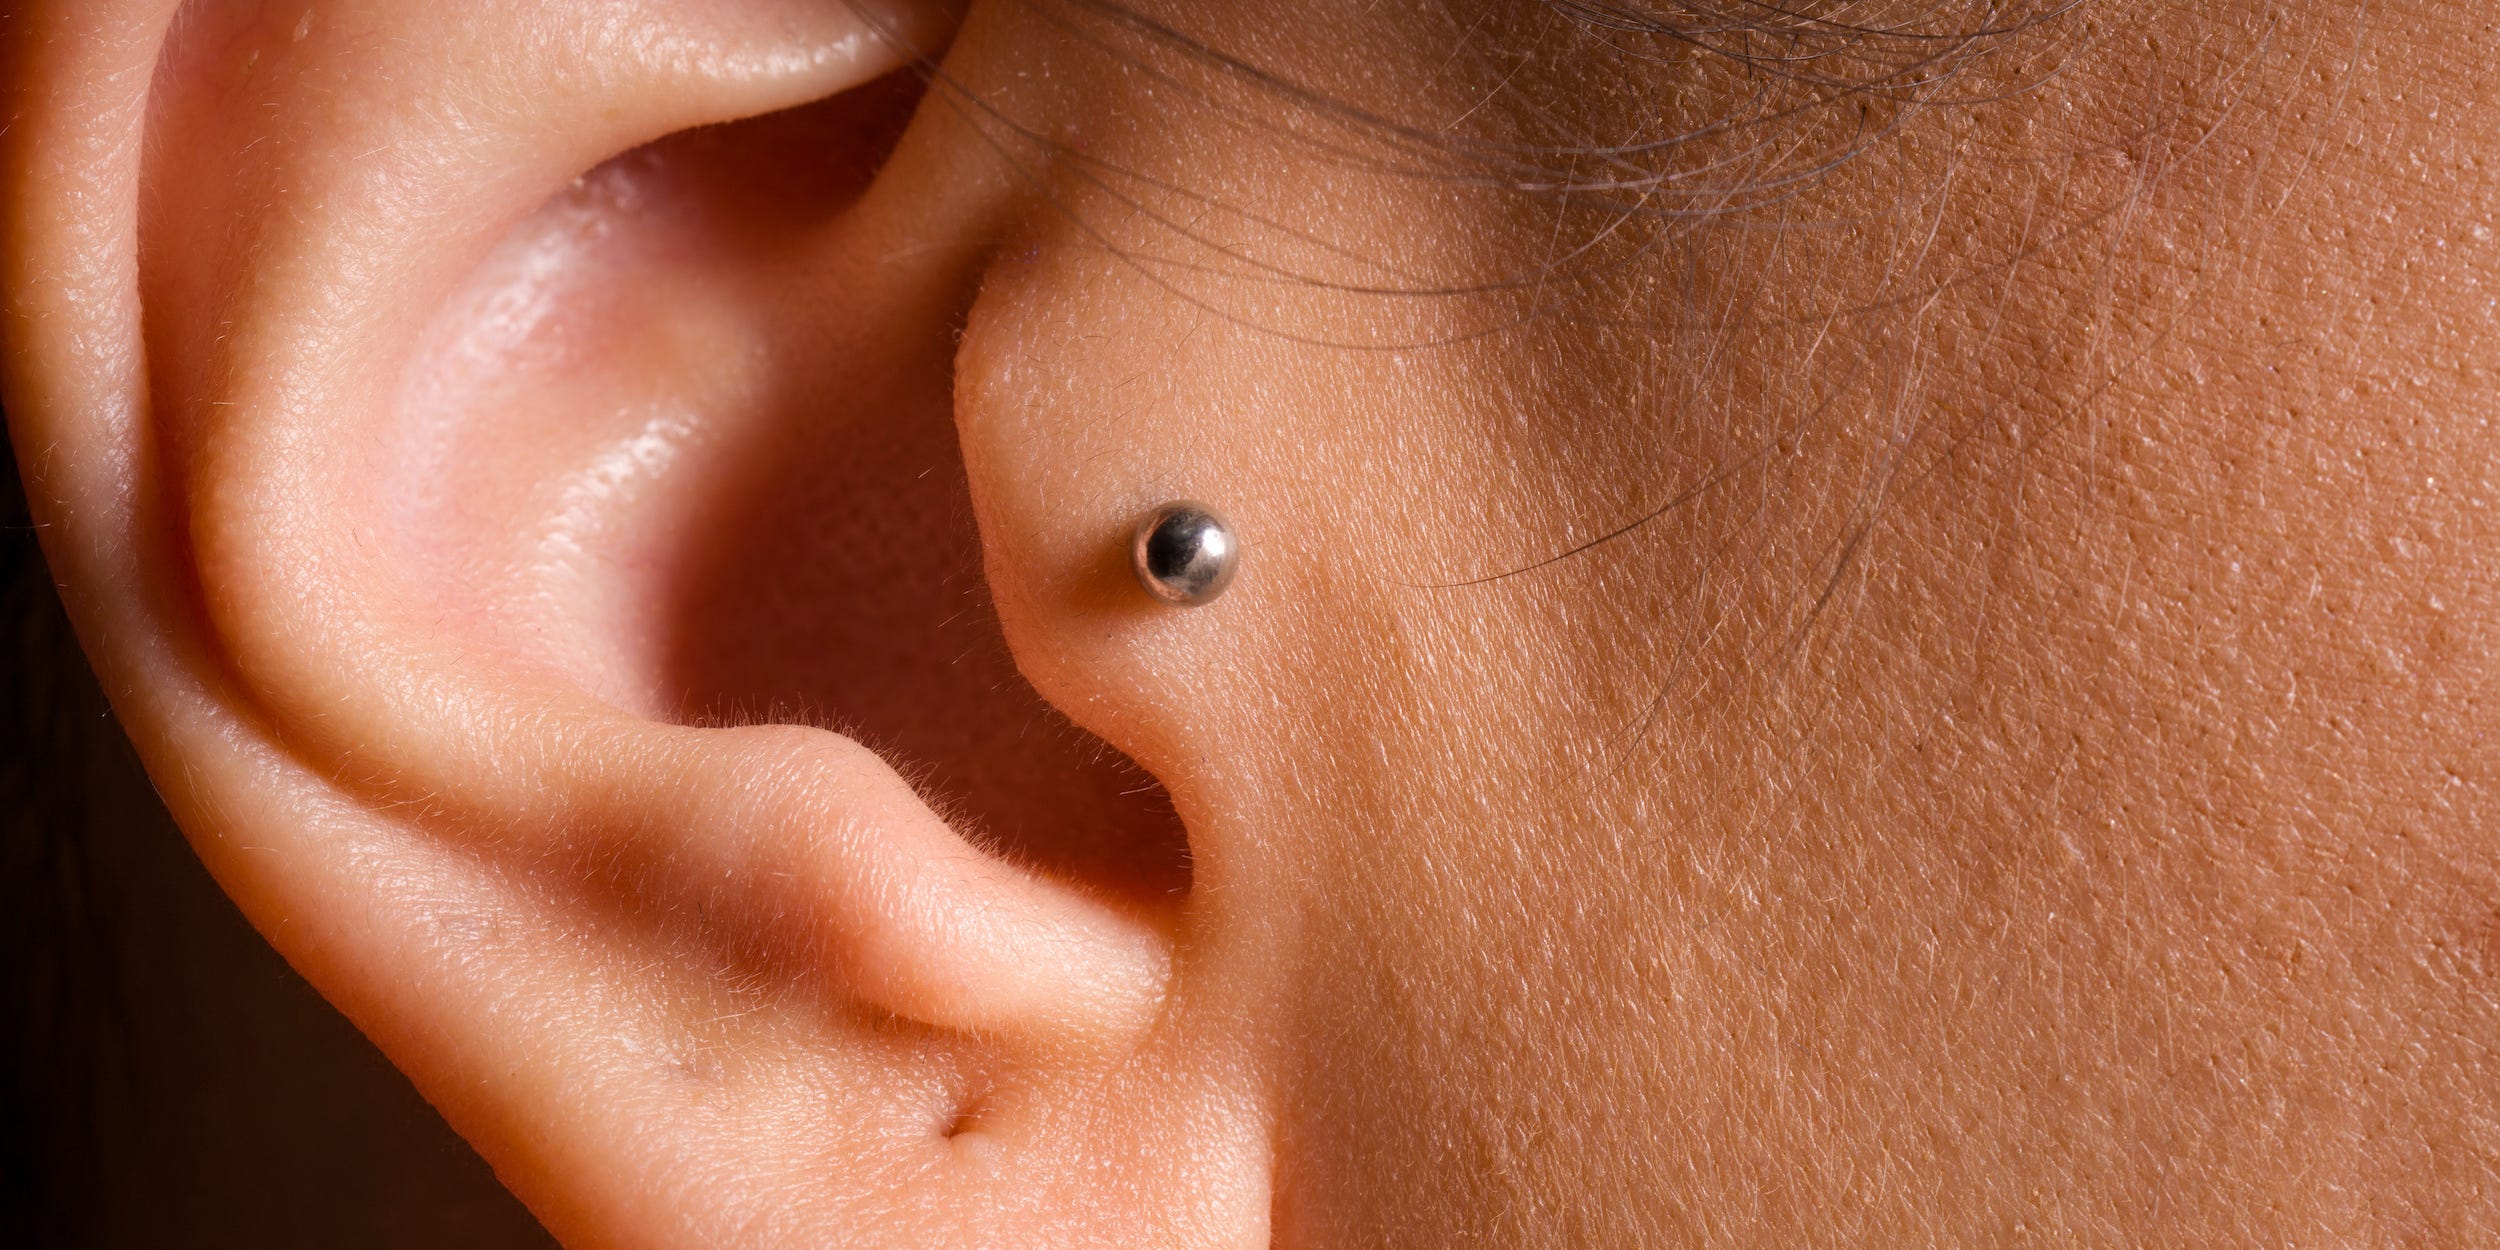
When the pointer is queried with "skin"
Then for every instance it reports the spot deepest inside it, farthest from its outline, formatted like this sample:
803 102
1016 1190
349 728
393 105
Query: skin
2029 787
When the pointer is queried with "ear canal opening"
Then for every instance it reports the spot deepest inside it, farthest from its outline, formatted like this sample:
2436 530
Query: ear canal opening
843 586
688 440
832 573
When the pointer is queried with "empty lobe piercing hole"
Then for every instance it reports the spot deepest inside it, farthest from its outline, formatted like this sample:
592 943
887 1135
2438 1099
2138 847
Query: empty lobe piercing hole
965 1119
976 1148
961 1131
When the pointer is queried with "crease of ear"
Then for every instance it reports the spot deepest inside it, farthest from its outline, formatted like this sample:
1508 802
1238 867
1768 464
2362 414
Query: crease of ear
764 935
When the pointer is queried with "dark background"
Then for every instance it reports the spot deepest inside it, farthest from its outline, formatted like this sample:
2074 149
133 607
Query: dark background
165 1079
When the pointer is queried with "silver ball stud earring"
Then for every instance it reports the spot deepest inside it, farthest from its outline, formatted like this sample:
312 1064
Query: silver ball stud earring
1185 554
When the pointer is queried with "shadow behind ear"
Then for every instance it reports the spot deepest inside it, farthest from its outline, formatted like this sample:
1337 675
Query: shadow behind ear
165 1078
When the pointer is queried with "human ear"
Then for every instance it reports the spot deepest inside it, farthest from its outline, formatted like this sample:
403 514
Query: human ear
467 439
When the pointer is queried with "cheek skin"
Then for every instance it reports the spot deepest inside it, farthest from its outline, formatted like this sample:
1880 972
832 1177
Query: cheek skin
1358 747
2096 828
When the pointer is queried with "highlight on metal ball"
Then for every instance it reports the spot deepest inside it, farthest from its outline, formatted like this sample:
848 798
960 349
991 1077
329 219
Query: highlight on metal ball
1185 554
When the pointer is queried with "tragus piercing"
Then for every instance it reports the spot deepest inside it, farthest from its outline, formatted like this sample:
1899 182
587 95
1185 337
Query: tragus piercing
1185 554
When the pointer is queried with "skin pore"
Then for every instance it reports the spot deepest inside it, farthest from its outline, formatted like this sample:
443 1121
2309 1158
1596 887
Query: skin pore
2021 780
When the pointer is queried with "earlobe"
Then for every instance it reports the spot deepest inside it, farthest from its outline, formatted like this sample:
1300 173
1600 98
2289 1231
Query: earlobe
447 408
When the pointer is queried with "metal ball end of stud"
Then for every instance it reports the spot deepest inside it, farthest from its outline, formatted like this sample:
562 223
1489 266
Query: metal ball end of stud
1185 554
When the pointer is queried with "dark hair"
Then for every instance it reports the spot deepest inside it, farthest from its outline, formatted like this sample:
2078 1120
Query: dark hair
1817 84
